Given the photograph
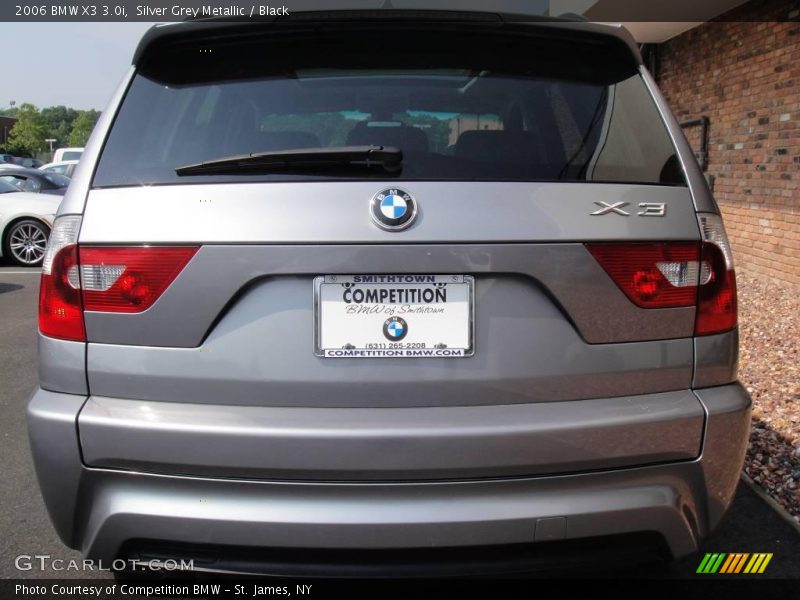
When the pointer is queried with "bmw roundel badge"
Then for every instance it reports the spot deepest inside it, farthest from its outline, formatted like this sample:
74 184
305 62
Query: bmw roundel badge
395 329
393 209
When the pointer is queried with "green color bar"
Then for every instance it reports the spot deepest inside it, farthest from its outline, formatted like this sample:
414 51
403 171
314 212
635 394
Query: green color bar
701 568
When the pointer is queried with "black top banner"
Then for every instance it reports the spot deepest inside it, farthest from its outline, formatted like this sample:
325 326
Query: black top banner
593 10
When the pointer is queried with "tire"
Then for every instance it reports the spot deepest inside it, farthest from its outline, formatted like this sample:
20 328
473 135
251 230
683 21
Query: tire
25 242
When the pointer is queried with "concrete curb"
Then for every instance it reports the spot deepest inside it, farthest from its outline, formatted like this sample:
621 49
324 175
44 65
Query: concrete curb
782 512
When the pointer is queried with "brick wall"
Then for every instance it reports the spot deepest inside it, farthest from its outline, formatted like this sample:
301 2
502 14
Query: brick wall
745 76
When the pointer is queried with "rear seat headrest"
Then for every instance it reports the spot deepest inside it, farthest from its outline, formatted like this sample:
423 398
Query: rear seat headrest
408 139
497 146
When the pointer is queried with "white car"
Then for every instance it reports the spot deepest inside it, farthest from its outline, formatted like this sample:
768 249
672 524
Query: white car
25 222
64 167
62 154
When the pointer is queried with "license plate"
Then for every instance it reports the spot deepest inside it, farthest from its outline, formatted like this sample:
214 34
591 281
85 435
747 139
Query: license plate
387 316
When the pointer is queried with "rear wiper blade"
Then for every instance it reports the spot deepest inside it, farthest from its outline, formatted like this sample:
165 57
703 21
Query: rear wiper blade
335 159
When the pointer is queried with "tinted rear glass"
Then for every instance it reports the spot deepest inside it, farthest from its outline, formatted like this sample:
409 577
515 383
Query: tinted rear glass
514 107
57 179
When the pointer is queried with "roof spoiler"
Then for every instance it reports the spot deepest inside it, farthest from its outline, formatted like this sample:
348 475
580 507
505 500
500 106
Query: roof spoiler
222 27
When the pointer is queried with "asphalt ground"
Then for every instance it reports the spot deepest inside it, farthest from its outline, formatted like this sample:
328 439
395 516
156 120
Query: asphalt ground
751 526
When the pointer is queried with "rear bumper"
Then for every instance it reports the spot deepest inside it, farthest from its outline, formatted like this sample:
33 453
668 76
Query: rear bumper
98 510
390 444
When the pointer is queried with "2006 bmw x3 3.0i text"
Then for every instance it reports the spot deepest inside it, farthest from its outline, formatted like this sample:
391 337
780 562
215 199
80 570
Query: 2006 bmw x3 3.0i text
469 290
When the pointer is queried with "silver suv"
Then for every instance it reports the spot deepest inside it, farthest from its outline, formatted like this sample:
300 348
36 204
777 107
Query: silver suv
361 283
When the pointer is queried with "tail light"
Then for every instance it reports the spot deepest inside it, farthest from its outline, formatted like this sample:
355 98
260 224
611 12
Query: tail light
678 274
652 275
129 279
716 301
60 310
108 279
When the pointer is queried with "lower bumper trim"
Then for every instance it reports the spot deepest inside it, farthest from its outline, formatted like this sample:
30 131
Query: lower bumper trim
595 554
258 514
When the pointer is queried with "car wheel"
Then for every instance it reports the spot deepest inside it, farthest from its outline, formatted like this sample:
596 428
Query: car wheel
26 242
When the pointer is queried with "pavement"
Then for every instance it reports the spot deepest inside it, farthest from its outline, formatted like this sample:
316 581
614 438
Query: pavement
751 526
24 525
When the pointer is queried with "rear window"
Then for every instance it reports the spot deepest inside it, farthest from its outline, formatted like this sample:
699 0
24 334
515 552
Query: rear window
72 155
57 179
517 108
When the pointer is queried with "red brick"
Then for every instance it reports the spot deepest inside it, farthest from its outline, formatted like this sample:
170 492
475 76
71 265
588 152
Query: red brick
741 72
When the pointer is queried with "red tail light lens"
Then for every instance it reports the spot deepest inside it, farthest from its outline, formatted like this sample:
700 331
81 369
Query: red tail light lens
653 275
717 300
60 311
129 279
671 275
109 279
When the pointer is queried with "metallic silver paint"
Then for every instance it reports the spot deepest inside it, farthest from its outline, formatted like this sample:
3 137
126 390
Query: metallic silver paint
363 516
217 277
716 359
681 501
278 213
390 444
228 345
52 431
725 443
62 365
261 353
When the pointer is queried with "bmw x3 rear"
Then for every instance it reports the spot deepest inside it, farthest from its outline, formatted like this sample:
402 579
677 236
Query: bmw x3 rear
467 289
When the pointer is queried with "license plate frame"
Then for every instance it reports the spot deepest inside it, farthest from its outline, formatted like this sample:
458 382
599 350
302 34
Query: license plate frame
467 281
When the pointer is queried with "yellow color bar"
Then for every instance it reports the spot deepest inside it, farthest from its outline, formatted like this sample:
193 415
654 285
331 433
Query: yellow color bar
753 564
765 563
758 563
